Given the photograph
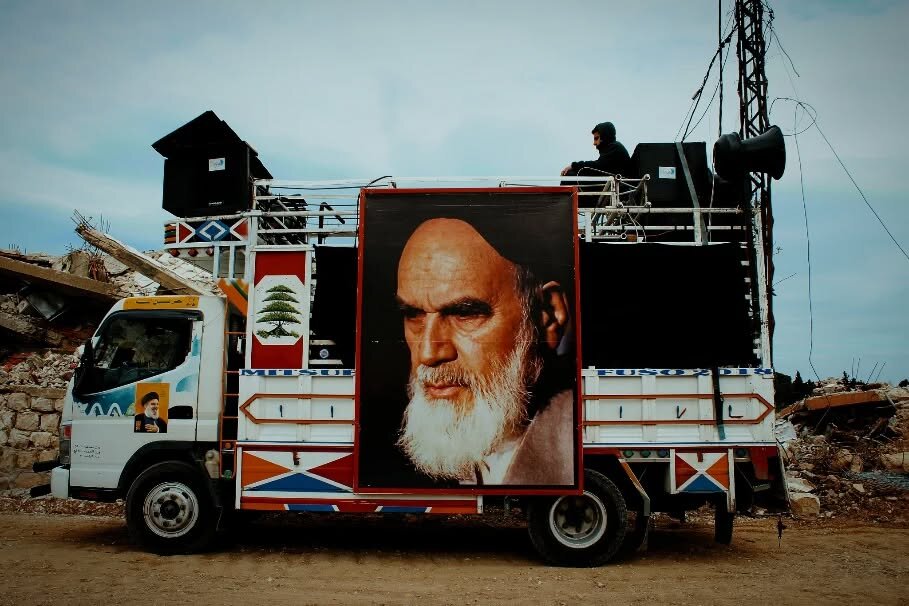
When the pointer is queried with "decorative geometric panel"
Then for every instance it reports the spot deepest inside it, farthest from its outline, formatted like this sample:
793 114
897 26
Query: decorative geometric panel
702 471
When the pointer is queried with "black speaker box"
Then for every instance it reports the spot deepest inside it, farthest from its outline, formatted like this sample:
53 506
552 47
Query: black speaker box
208 169
208 180
667 186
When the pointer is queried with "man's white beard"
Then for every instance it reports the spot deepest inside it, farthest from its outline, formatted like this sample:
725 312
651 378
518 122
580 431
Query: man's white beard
446 439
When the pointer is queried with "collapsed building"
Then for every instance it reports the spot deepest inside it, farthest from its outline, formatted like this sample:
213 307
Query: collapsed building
49 306
847 446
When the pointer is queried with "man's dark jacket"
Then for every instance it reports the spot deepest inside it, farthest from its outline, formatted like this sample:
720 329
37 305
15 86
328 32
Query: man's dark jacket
141 421
613 156
613 159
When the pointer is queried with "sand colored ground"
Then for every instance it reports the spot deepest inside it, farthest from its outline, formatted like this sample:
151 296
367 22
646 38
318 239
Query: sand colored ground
64 559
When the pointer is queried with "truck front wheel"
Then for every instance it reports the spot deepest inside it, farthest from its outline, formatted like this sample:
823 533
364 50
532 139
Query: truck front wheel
580 530
169 509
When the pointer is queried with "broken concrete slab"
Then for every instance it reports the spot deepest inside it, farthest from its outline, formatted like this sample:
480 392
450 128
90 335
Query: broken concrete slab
798 484
139 262
848 398
804 504
29 330
896 461
37 259
63 281
842 460
77 262
791 409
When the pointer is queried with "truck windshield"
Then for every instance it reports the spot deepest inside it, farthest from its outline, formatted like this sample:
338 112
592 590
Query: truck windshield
131 349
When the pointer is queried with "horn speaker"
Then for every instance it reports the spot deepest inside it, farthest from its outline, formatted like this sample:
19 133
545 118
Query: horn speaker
766 153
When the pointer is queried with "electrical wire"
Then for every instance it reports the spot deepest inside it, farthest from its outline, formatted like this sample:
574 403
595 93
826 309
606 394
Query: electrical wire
808 243
710 103
809 110
696 98
861 193
699 93
687 112
719 35
775 37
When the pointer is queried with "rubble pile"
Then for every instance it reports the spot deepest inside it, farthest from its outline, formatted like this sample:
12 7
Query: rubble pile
48 369
847 451
48 307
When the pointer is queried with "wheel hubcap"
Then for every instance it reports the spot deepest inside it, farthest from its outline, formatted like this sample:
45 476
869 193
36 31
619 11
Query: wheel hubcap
578 521
171 509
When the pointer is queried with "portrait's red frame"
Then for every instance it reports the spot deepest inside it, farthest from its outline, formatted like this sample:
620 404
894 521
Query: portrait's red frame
579 403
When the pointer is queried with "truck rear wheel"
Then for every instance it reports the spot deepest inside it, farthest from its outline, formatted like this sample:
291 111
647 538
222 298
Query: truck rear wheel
722 524
580 530
169 509
636 533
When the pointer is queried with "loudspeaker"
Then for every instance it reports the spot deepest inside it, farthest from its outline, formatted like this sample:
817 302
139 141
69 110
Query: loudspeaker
208 169
766 153
667 186
208 180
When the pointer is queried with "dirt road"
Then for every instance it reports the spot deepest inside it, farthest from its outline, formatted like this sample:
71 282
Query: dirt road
59 559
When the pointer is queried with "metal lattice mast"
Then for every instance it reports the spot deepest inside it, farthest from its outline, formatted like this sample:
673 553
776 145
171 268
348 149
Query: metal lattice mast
750 50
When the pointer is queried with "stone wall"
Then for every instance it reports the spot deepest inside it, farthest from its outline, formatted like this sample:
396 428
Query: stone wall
29 432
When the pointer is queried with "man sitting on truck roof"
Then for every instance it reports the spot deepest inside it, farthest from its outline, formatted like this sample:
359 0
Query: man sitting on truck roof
486 405
613 160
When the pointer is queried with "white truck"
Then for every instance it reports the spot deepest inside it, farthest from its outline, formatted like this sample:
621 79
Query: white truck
296 389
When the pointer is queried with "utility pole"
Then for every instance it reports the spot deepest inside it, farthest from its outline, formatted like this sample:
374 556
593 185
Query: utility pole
750 50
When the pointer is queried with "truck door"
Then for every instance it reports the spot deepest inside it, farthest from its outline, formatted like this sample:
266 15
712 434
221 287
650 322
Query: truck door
139 383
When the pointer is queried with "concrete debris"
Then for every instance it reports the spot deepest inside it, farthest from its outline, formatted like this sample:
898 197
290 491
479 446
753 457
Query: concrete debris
201 279
784 431
848 398
50 369
39 259
49 306
842 460
847 450
29 330
58 301
896 461
74 285
804 504
797 484
148 266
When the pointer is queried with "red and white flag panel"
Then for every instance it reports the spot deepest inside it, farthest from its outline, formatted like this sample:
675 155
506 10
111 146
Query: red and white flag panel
280 316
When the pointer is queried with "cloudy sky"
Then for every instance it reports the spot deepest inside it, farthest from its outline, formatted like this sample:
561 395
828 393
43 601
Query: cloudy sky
363 89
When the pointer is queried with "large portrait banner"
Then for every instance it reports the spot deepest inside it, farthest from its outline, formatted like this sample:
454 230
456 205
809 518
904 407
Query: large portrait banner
468 366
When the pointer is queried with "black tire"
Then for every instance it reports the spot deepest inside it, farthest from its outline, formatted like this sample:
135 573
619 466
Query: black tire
581 531
170 509
637 531
722 524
